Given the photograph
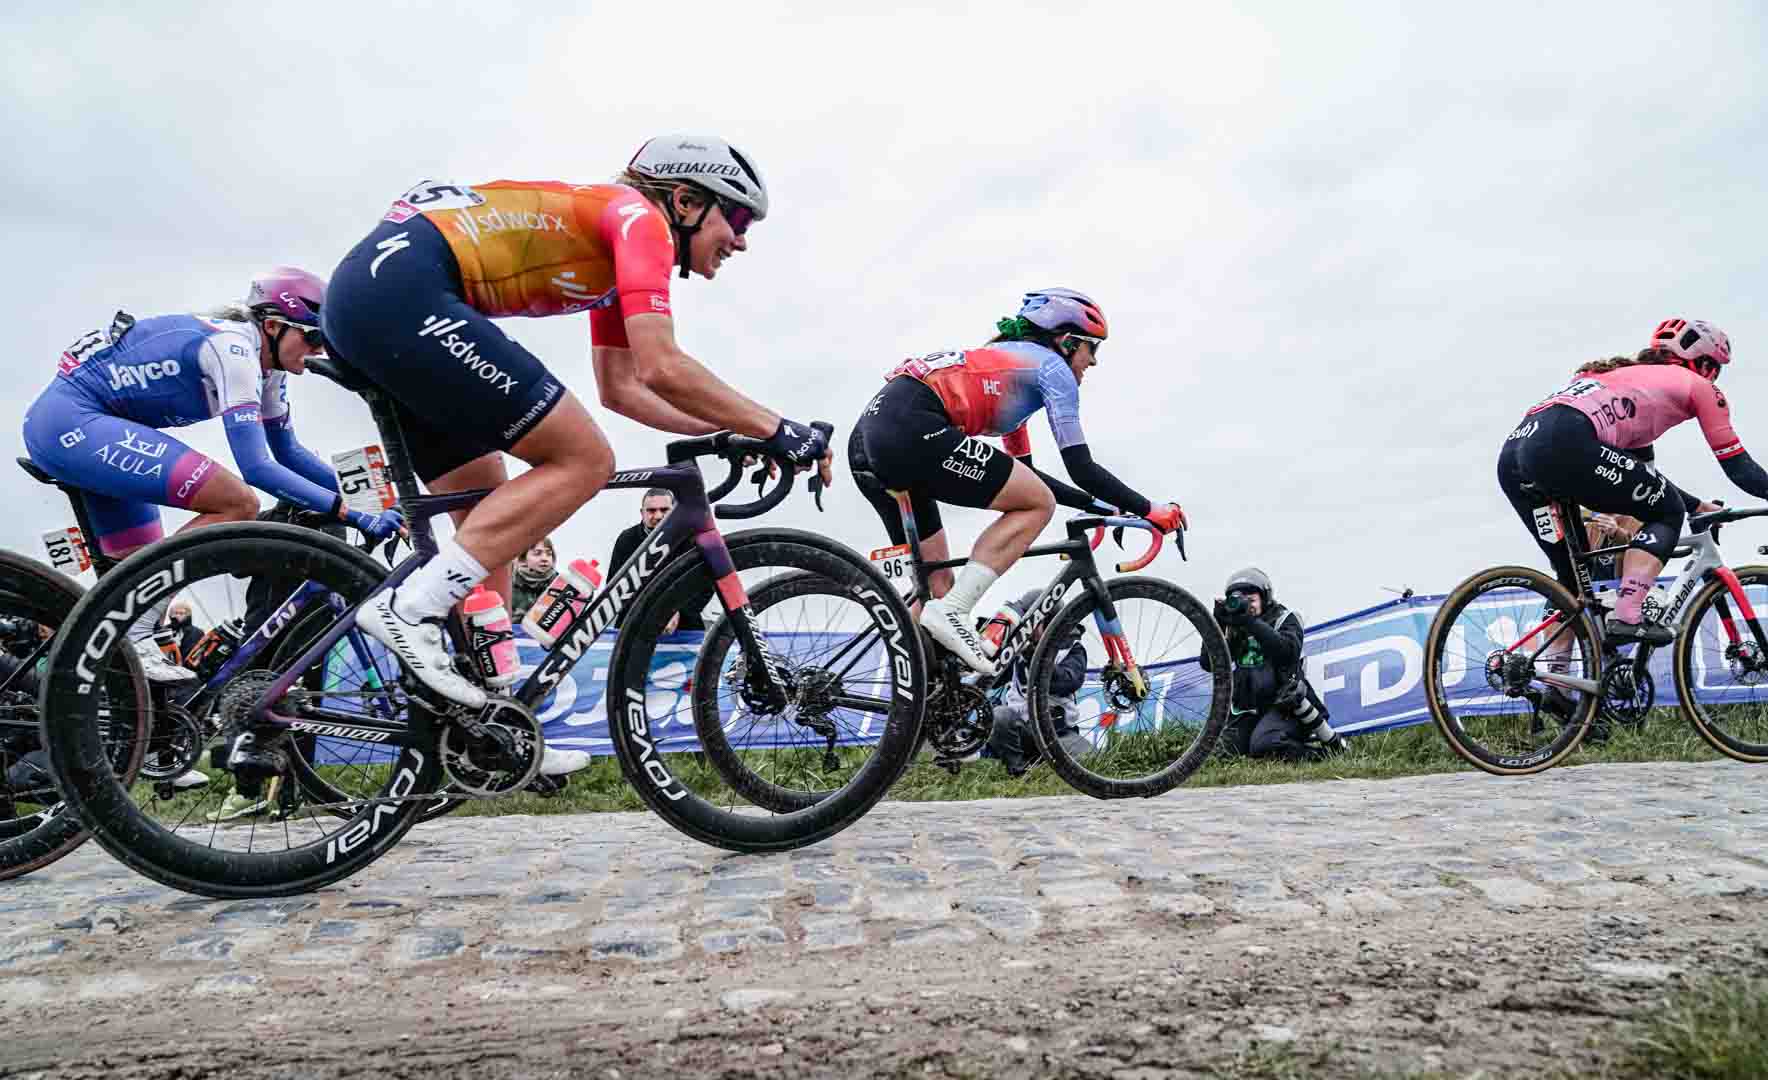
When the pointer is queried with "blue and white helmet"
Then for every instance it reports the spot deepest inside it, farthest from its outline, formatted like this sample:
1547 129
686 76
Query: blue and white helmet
1064 311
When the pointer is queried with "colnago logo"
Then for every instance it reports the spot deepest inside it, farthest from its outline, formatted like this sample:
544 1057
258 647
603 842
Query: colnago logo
124 376
608 606
495 220
639 725
361 832
894 639
1028 626
341 731
195 479
467 352
118 619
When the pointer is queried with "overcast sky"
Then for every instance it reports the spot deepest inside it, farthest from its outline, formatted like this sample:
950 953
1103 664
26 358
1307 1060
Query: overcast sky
1341 247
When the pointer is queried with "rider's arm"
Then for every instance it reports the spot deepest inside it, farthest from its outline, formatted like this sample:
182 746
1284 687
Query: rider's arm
1062 405
1280 646
1067 495
1714 414
230 364
622 391
279 432
688 385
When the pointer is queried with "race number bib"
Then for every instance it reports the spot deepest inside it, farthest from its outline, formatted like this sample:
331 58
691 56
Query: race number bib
895 565
67 550
83 346
430 195
362 480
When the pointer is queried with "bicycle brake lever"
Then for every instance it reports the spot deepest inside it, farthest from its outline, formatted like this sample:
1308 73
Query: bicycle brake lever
1179 542
1117 537
816 488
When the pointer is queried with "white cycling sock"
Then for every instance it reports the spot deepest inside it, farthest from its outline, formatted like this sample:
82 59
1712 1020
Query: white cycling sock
439 584
973 580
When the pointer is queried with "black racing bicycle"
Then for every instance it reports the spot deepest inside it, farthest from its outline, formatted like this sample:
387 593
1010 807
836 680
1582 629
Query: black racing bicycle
1155 710
424 749
156 741
1517 670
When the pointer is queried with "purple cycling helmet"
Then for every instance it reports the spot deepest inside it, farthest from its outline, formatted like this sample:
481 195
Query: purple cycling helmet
1064 311
287 292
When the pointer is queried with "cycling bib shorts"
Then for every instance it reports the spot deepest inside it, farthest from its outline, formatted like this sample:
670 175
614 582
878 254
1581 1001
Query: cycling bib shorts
907 440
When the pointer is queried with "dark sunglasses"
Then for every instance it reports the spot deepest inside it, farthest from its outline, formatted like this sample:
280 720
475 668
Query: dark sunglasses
1095 342
739 217
312 336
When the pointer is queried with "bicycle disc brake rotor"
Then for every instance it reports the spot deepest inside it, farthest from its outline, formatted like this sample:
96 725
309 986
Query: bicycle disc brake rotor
959 721
1627 695
1509 672
1746 663
1120 690
495 753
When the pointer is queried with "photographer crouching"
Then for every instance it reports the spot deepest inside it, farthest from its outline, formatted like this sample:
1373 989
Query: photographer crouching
1273 712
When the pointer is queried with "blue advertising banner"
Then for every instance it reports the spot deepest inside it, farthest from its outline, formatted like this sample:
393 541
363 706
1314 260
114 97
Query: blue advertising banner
1368 668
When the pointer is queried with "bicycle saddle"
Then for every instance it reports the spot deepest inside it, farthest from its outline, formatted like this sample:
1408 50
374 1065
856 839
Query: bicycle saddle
35 473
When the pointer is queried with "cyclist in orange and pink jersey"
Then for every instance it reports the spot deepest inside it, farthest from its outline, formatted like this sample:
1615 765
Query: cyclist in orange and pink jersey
1591 442
410 309
920 435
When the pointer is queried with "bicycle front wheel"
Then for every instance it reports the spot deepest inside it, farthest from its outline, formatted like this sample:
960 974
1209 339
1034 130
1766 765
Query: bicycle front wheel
727 767
1491 642
1156 695
1722 669
227 838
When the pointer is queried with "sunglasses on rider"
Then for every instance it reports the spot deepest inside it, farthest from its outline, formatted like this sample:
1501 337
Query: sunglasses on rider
312 336
1095 342
738 216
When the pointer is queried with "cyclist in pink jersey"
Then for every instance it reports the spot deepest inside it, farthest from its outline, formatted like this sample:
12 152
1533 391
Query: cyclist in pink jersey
1592 442
920 434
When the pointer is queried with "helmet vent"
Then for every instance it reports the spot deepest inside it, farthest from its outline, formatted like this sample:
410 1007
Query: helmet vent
1689 338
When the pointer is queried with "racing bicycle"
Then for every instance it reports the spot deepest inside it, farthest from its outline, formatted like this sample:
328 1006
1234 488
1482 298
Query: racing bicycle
1160 703
1517 669
427 748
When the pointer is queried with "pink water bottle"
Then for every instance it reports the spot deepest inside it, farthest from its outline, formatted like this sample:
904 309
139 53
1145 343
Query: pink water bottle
491 637
562 602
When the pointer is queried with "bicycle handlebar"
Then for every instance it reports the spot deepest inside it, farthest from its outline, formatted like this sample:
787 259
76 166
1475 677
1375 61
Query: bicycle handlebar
1118 524
736 450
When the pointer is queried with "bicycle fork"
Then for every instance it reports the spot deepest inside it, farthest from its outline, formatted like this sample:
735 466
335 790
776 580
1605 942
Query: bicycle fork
1117 648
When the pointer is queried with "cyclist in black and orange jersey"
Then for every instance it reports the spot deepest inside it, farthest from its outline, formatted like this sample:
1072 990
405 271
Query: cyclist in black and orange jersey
408 308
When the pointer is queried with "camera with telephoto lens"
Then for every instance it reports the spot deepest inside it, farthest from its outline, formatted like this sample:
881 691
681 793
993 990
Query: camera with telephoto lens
1295 702
1233 608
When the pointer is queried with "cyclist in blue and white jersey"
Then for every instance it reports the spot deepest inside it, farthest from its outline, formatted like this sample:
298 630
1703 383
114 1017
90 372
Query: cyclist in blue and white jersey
99 426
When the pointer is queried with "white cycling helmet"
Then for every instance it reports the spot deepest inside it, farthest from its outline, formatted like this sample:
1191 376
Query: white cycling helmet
1695 342
712 165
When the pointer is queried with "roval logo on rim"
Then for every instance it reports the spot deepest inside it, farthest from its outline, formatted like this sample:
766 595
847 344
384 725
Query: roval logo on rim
119 619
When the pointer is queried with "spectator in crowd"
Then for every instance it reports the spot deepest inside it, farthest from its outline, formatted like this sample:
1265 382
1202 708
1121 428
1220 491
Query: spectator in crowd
185 633
1273 712
652 509
1011 739
1608 530
530 575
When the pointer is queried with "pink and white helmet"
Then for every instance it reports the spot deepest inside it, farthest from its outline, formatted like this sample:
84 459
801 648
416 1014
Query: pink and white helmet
287 292
1693 341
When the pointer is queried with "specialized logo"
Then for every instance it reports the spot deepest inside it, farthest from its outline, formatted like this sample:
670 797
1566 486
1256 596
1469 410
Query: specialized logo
388 248
123 376
496 220
115 621
466 351
629 213
638 476
695 168
340 731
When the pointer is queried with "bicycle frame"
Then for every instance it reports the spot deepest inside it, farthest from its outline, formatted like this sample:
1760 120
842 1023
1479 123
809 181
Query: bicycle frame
691 519
1704 563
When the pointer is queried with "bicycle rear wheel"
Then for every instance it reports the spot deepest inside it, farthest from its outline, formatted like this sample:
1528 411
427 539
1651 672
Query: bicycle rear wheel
771 778
1723 683
227 839
34 830
1490 643
1141 733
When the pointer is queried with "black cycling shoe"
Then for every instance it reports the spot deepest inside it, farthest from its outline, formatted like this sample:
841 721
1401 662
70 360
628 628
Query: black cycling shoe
1644 633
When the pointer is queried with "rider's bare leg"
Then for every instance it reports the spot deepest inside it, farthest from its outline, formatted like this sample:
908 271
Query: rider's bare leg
1025 506
481 472
1639 571
223 497
937 548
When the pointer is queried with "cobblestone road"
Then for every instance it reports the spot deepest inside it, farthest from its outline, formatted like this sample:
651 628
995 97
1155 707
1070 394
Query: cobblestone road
610 915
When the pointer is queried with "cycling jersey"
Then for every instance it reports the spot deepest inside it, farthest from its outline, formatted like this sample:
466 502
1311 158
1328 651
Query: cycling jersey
96 425
994 390
543 247
1631 406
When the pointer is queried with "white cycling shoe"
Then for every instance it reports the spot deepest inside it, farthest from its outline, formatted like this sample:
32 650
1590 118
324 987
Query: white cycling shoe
155 665
563 762
951 628
419 646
